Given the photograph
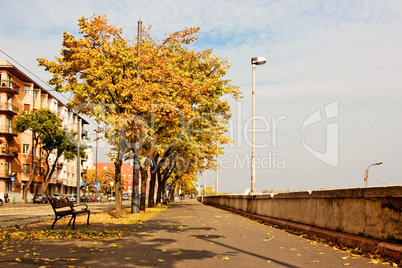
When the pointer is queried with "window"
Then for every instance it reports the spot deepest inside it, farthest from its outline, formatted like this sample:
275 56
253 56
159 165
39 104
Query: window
27 89
9 125
8 168
8 187
35 94
27 107
25 148
25 168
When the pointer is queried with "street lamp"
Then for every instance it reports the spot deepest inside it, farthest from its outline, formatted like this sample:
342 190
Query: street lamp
375 164
254 61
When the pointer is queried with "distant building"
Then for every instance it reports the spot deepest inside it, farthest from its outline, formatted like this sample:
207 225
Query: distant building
126 173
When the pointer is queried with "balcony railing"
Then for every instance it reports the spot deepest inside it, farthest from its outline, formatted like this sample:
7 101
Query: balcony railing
9 152
9 86
5 129
5 173
4 106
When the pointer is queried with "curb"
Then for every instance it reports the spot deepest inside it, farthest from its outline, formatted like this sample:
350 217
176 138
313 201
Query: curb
367 245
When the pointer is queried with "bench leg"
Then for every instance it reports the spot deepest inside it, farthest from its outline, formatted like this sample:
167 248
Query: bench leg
70 219
89 213
56 219
73 218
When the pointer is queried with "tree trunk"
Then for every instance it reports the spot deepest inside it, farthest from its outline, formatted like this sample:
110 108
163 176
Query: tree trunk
117 178
135 201
117 187
45 184
151 196
144 178
49 173
159 191
171 192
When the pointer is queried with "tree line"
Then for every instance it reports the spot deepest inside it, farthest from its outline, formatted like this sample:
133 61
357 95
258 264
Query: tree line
161 103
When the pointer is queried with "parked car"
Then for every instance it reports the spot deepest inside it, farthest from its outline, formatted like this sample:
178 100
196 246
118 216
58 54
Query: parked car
71 198
125 197
57 198
40 199
111 198
85 198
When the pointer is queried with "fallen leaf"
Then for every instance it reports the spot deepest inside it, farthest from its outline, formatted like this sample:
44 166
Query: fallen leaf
225 258
127 258
17 259
346 264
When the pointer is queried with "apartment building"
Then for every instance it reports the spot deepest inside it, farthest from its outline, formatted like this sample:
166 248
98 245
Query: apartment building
126 173
19 93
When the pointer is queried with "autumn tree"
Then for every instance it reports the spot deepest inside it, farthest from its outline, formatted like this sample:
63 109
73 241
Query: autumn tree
40 123
123 83
56 144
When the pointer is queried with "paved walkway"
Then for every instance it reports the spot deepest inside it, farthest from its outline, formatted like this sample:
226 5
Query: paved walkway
188 234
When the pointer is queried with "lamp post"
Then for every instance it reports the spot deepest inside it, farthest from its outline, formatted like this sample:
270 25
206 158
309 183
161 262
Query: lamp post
217 168
375 164
78 162
254 61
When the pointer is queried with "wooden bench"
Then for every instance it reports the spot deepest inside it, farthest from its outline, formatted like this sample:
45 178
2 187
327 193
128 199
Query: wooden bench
63 209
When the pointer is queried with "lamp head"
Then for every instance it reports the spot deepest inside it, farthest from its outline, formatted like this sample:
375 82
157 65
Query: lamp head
378 163
258 60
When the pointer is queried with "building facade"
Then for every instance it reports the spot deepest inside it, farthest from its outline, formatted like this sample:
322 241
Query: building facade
19 93
126 173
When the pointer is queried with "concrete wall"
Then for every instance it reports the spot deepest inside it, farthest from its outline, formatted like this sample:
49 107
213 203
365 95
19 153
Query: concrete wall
374 212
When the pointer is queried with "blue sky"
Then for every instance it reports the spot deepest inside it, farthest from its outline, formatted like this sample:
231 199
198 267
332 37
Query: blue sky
318 53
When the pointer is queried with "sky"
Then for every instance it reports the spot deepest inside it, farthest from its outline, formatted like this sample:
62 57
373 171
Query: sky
328 99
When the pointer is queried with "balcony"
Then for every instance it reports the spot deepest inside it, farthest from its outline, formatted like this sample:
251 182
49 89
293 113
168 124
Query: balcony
9 86
9 152
59 165
8 108
7 130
